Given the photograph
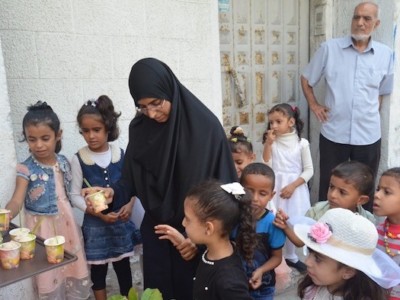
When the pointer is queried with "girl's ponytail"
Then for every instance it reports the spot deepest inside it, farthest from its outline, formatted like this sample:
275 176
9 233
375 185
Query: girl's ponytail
246 238
298 122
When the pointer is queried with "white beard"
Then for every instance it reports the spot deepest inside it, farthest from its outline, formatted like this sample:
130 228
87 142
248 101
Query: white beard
360 37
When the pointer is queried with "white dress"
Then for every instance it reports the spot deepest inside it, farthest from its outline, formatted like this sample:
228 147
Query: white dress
291 159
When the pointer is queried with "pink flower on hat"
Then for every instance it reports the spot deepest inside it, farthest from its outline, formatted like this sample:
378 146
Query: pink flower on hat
320 232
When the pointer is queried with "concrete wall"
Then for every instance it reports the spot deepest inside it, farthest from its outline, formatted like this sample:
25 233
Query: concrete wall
67 51
337 24
23 289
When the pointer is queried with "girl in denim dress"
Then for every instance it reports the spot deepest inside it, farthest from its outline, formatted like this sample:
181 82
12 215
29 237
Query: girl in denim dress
107 234
42 184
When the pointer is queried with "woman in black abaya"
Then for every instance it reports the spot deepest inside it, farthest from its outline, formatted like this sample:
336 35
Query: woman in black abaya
175 142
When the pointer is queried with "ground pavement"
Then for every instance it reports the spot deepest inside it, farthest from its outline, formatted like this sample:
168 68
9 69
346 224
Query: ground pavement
112 284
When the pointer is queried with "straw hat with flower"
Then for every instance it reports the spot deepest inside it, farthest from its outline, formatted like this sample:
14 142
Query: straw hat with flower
350 239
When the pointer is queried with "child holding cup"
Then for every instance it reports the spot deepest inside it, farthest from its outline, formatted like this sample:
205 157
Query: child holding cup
42 185
99 164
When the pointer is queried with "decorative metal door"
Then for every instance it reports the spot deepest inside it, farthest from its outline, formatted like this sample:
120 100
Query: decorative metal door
261 56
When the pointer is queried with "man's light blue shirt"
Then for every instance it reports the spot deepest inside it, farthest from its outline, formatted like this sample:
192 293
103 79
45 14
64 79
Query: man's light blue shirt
354 82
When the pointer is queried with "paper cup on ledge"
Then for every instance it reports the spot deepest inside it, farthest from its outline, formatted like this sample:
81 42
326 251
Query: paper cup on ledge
4 219
55 249
28 245
10 255
18 231
98 201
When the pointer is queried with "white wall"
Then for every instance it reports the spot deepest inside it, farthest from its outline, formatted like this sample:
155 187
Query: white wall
23 289
67 51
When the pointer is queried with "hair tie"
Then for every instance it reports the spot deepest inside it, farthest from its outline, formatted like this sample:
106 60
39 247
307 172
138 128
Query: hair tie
238 130
234 188
234 139
39 105
91 102
294 108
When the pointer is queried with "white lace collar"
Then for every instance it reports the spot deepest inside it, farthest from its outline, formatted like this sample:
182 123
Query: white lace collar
86 154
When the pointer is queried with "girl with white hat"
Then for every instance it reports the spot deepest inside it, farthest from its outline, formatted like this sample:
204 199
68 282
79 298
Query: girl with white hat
343 262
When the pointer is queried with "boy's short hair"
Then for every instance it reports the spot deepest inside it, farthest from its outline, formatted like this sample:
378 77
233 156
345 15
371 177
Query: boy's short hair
357 174
258 169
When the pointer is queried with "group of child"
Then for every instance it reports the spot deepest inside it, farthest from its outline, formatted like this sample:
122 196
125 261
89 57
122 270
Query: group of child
47 181
243 226
344 260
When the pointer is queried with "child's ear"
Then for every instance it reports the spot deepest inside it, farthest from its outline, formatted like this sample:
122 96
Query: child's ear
253 156
210 228
348 273
59 135
363 199
292 122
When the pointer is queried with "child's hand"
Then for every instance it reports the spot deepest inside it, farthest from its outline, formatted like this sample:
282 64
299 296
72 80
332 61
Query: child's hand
126 210
281 219
187 249
269 137
108 192
287 191
169 233
111 217
256 279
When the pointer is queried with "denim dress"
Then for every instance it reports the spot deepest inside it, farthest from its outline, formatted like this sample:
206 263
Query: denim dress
103 241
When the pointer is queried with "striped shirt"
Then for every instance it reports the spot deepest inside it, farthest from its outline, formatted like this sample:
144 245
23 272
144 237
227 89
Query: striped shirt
394 246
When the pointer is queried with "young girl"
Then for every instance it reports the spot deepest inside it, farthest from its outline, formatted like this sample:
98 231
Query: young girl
212 211
387 203
107 234
241 148
259 179
43 182
289 156
343 262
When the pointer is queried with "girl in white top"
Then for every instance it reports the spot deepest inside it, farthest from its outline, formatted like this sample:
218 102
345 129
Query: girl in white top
289 156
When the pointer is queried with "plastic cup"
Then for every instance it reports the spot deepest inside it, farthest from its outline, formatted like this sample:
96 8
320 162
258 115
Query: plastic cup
98 201
4 219
18 231
55 249
28 245
10 255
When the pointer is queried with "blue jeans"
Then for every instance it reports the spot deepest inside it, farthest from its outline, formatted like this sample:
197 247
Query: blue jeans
263 294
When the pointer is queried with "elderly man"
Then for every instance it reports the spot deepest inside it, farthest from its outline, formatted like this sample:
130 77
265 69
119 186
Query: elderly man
358 72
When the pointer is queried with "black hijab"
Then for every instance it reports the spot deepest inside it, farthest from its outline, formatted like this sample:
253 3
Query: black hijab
164 160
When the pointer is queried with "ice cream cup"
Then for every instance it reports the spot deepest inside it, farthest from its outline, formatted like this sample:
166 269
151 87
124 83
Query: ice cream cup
28 245
10 255
55 249
18 231
98 201
4 219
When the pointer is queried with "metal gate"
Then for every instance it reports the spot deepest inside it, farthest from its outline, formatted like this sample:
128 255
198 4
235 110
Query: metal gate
263 44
